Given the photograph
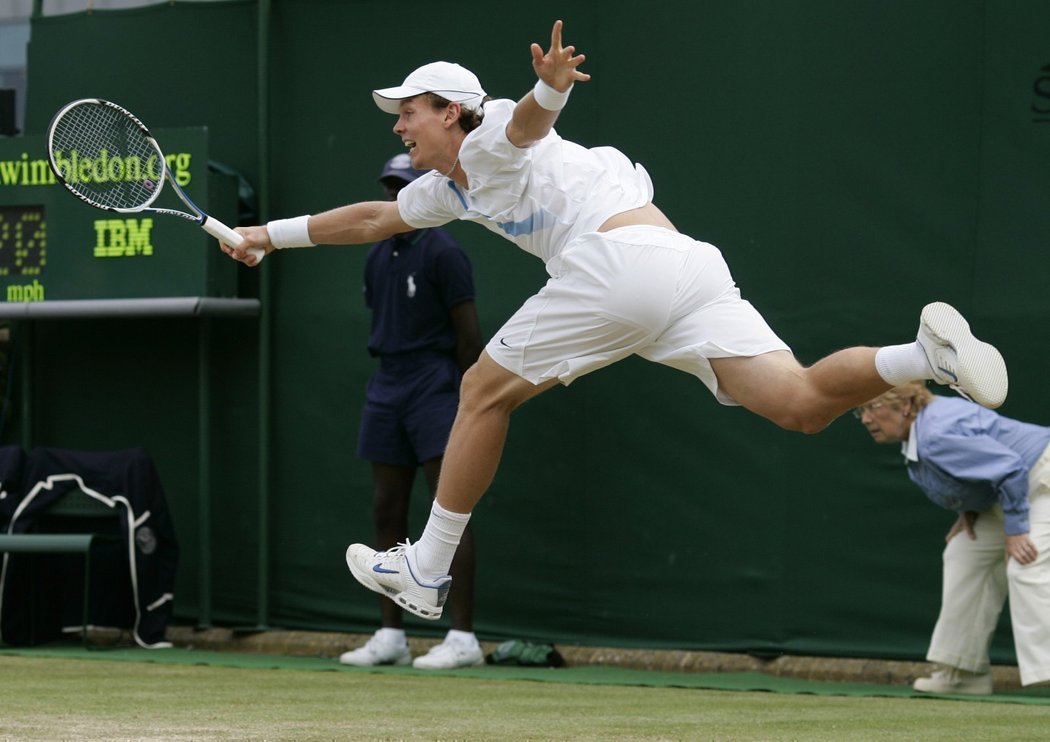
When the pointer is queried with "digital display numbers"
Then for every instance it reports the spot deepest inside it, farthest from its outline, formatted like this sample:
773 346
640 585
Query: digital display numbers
23 241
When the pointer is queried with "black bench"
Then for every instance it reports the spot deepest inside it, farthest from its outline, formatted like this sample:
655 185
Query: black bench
74 504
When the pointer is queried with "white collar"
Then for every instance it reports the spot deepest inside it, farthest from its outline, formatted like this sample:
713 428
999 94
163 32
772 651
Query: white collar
910 447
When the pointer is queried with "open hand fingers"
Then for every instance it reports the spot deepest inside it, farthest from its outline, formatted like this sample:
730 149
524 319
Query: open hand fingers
559 65
556 36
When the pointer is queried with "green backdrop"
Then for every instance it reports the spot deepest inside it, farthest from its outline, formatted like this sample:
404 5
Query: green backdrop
852 160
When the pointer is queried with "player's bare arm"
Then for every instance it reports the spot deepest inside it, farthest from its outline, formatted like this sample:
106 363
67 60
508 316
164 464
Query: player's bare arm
355 224
358 224
558 69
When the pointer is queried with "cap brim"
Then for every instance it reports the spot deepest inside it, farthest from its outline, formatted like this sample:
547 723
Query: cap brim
389 99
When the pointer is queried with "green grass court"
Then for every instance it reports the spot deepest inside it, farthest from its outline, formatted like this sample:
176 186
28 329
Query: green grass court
65 692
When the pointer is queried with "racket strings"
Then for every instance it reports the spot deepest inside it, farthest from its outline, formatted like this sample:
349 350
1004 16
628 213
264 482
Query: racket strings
105 157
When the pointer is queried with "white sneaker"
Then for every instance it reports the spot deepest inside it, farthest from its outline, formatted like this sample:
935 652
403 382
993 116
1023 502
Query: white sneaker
377 651
390 573
971 367
450 654
954 680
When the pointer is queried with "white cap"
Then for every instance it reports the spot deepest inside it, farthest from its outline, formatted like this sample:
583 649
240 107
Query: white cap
451 81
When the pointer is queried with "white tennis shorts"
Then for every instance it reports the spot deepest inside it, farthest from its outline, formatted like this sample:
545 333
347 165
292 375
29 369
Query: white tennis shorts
641 289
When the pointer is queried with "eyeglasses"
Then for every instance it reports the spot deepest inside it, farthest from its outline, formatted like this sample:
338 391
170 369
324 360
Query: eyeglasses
858 412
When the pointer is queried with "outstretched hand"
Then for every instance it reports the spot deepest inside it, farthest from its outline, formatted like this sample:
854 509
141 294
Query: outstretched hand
254 238
558 67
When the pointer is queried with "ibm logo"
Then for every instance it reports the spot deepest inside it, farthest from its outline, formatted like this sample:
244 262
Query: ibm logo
123 238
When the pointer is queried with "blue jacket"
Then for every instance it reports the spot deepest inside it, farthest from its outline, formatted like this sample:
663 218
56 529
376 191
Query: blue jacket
966 457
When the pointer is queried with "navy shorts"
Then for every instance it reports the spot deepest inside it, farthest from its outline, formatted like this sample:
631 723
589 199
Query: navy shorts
409 409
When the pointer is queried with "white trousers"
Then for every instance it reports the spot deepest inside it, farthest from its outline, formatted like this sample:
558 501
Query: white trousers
977 579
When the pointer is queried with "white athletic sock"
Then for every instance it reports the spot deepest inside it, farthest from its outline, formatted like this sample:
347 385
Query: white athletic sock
432 554
899 364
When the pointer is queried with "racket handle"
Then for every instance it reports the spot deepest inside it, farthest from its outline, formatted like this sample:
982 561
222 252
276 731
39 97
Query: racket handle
220 231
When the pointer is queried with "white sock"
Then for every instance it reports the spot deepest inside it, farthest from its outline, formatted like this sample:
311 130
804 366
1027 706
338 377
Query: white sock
899 364
432 554
392 636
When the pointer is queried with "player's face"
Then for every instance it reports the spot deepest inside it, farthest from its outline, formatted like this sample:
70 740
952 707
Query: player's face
422 129
887 423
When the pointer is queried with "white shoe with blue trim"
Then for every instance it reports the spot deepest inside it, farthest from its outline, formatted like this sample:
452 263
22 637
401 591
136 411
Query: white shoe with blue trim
971 367
390 573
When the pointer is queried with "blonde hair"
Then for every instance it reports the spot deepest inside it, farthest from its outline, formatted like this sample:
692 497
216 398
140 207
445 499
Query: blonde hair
915 392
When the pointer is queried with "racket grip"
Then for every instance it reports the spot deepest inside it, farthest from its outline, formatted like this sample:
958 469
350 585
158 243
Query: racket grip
220 231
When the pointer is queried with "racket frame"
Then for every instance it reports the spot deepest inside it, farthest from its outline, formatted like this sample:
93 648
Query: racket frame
209 224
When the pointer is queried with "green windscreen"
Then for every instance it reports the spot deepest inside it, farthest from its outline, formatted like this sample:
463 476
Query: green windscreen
54 246
852 160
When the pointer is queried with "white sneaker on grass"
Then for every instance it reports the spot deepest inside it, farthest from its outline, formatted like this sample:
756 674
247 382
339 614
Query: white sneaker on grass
378 651
971 367
453 652
390 573
954 680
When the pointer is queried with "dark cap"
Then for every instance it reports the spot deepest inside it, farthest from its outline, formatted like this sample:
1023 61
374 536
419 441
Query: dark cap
400 166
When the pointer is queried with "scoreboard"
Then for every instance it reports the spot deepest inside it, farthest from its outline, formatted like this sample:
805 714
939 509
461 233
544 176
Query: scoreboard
23 240
55 247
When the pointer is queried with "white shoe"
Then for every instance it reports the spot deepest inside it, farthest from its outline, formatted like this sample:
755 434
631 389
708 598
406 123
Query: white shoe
450 654
971 367
377 651
390 573
954 680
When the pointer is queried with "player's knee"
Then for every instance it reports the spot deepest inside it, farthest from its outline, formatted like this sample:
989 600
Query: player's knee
804 409
488 387
478 392
802 420
473 387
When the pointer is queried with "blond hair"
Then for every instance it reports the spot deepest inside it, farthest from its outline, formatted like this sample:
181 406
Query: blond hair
915 392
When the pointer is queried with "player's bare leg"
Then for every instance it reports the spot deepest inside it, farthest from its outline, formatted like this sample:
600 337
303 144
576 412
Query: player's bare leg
488 396
415 576
777 387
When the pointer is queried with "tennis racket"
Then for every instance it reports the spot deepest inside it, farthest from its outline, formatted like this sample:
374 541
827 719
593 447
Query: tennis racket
108 159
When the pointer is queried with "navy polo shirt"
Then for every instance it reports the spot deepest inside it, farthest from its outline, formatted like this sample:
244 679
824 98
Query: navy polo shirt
412 280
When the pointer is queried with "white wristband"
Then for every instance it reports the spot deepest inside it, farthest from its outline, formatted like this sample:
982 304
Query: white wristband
549 98
293 232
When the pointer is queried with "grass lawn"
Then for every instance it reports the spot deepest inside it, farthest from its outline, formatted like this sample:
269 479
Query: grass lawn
58 699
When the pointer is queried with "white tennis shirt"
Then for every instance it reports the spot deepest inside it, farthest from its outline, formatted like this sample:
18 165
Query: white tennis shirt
540 198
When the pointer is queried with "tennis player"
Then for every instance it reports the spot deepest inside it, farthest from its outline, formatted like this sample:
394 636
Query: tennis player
622 281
